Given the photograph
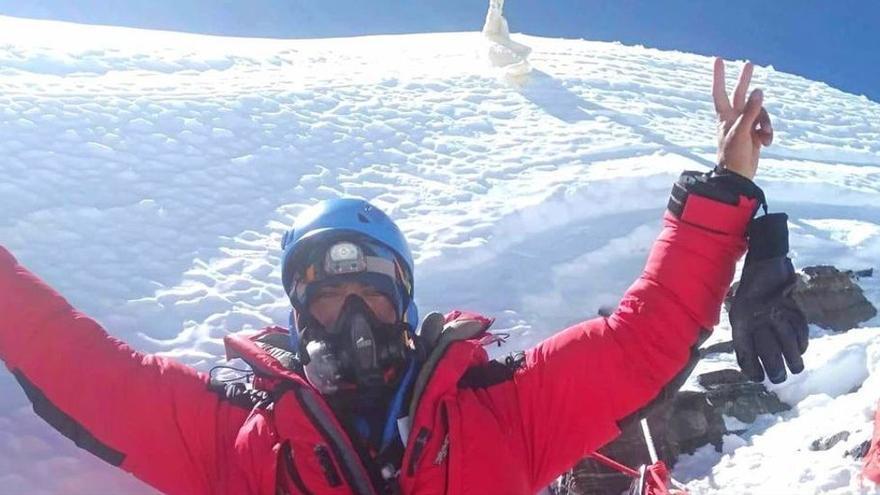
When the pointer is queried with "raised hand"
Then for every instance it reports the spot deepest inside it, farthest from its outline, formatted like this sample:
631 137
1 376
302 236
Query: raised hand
744 126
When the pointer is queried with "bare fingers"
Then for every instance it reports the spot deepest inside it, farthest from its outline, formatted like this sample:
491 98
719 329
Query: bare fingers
764 128
719 90
742 87
752 109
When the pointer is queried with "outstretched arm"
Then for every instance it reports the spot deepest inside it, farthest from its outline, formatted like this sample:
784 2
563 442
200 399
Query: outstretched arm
148 415
577 387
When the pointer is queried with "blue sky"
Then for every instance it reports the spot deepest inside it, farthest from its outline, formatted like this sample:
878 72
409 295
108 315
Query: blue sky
835 42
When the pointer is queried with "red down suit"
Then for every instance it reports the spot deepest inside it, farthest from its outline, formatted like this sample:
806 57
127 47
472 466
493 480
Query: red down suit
871 469
477 426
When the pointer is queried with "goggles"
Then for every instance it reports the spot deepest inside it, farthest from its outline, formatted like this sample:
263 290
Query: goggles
352 258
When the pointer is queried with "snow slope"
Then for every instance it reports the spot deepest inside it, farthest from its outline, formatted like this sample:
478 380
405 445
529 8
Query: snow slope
149 176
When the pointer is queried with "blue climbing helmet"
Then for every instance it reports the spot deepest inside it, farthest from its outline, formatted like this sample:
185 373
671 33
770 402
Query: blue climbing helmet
347 239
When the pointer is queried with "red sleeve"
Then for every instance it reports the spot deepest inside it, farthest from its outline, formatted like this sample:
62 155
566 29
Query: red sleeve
149 415
871 468
577 385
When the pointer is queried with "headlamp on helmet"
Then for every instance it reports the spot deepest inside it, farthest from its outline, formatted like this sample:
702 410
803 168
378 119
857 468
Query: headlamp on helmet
344 257
370 261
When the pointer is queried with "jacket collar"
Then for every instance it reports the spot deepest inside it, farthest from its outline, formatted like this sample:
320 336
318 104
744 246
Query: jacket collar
267 352
457 348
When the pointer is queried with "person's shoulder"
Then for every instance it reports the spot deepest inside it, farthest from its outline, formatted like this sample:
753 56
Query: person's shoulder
268 350
467 322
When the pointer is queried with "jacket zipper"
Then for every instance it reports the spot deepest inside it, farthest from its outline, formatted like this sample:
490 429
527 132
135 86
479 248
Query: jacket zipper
444 414
292 472
327 466
418 447
357 479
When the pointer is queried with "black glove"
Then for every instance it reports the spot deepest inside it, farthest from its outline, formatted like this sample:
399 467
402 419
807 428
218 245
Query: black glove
767 323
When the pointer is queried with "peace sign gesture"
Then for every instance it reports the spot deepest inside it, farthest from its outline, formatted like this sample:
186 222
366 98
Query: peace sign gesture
742 127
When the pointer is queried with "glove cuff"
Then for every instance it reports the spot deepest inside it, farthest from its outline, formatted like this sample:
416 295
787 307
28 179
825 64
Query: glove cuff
768 238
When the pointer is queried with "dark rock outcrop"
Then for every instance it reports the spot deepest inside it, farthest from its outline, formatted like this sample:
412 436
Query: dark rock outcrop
859 451
594 478
732 394
826 443
718 348
688 421
831 298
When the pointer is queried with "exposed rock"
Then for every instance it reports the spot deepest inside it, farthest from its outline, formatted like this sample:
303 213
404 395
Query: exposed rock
720 377
592 477
858 274
827 443
680 425
719 347
693 421
859 451
831 299
732 394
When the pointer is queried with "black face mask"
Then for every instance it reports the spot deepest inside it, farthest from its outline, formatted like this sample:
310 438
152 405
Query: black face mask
358 353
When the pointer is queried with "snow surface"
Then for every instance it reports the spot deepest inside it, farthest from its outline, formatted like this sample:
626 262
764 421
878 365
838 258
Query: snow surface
149 176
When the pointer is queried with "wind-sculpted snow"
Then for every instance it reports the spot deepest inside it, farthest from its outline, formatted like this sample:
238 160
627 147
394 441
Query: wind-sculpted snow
836 393
149 177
